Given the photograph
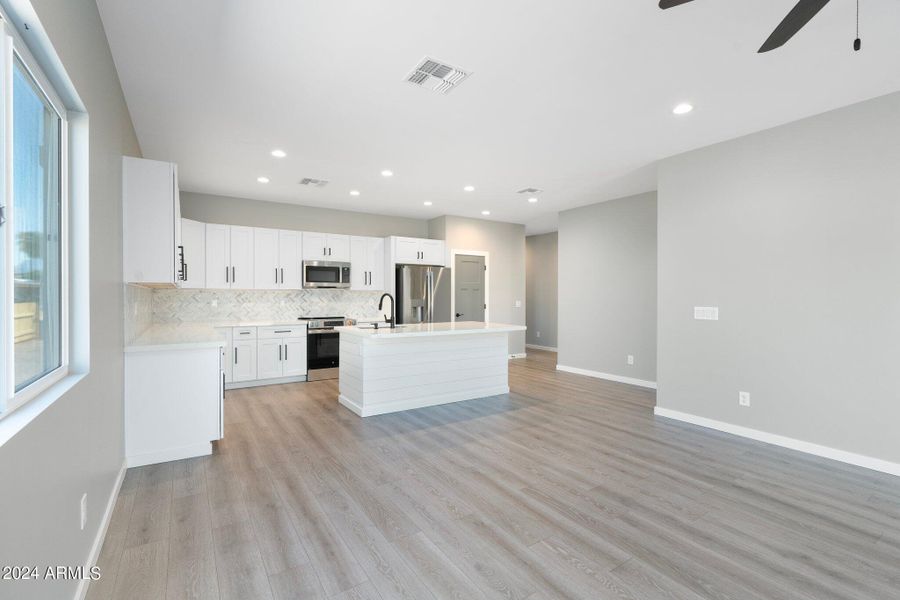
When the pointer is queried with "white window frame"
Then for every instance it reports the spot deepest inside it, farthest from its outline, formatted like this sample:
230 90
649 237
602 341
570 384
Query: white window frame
14 47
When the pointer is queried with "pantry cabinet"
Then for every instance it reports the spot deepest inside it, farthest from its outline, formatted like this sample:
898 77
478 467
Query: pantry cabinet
366 263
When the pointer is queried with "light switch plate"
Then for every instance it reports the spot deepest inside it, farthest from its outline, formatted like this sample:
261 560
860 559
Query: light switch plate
630 359
518 304
744 398
706 313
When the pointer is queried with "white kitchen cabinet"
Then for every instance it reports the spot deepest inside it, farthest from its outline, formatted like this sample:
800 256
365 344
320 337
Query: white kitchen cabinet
417 251
276 258
193 254
367 263
226 353
282 352
294 363
326 246
151 222
269 359
243 359
229 257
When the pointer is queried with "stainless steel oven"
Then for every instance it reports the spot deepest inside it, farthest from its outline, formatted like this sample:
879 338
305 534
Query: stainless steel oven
326 274
323 345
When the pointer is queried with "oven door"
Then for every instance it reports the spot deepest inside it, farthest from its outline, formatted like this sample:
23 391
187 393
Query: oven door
322 350
326 274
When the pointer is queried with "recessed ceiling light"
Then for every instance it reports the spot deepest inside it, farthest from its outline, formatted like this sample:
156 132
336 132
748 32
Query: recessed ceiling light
469 188
427 203
279 153
485 212
532 200
354 192
387 173
682 109
263 179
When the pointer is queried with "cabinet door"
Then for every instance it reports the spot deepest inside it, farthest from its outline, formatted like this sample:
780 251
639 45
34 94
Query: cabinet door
243 360
359 263
150 225
294 356
406 250
315 246
270 359
218 256
432 252
339 247
241 257
265 259
227 354
290 267
193 239
375 251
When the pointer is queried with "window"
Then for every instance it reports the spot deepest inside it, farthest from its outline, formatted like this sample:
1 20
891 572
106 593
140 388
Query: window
33 229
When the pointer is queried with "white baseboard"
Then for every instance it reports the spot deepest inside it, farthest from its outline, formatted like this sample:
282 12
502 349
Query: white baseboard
851 458
400 405
609 376
536 347
152 458
237 385
82 589
518 355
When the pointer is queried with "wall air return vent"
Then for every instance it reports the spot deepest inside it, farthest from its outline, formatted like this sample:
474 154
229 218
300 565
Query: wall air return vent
308 181
530 191
436 76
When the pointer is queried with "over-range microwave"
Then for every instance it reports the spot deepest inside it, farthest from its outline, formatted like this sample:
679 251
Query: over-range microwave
326 274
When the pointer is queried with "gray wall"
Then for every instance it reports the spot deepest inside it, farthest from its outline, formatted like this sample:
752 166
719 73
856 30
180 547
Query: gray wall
541 288
506 244
76 444
258 213
795 234
607 287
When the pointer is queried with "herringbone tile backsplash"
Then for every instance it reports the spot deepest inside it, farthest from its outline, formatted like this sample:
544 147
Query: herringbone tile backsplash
191 306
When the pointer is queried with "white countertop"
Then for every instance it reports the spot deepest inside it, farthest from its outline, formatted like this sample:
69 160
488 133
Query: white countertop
176 336
429 329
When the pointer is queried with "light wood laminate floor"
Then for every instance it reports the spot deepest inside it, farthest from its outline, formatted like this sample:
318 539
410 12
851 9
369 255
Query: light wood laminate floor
568 487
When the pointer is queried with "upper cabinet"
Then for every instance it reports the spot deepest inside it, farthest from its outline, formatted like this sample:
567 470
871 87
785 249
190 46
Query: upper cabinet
151 221
229 257
416 251
326 246
276 259
192 254
367 263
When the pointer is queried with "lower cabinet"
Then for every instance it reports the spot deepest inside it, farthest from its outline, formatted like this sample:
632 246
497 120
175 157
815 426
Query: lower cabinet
260 354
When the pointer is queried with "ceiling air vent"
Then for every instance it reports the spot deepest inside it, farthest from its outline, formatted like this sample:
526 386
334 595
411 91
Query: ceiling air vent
436 76
530 191
308 181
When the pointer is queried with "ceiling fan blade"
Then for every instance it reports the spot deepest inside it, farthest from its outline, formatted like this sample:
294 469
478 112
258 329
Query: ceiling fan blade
664 4
799 16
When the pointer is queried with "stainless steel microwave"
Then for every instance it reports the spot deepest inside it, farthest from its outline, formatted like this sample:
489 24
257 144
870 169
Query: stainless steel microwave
326 274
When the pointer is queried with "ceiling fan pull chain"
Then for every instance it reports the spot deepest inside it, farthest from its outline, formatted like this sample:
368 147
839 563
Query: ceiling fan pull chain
857 43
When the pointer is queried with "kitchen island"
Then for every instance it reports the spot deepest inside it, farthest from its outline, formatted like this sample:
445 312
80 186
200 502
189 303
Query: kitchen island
387 370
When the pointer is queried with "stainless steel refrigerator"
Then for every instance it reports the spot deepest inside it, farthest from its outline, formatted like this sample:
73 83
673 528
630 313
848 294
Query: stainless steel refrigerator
423 294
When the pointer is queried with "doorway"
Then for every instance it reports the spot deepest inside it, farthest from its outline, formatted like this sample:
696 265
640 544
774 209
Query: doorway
470 279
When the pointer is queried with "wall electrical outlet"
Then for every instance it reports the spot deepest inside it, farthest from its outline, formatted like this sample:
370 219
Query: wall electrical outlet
83 510
539 335
744 398
215 303
630 359
518 304
706 313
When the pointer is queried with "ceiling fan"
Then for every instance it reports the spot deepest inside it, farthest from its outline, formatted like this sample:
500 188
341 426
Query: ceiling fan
799 16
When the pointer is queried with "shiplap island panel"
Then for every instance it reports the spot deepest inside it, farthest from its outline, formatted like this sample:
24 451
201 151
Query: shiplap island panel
413 366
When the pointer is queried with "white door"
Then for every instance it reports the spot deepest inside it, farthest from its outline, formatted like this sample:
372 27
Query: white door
339 247
270 359
241 257
193 240
359 263
294 362
432 252
375 250
218 253
290 267
243 360
315 246
406 250
265 259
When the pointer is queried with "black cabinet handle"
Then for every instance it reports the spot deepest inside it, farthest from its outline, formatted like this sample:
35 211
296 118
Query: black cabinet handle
329 252
282 275
226 275
235 355
279 352
185 272
284 331
233 278
285 352
324 251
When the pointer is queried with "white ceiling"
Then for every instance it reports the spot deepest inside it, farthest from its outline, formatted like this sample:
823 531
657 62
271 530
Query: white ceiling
571 96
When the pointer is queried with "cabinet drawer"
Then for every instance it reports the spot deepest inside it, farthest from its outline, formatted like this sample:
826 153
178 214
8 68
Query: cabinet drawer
243 333
284 331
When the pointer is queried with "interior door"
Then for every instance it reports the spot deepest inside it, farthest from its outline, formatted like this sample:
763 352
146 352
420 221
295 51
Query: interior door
265 259
469 288
339 247
290 267
243 360
294 362
218 256
270 359
241 257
